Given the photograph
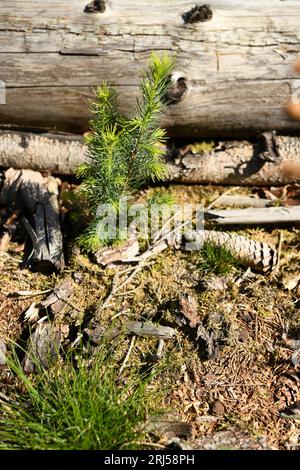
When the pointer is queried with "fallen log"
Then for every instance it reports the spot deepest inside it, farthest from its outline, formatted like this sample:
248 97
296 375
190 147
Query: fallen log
37 197
255 216
232 163
235 61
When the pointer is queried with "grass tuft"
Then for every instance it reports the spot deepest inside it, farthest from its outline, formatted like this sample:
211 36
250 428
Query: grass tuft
82 407
217 260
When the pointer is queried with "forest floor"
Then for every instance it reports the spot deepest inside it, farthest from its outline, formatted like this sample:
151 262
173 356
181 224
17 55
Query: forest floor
231 391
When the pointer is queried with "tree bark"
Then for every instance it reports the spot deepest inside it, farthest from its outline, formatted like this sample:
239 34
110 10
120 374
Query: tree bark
37 197
236 62
231 163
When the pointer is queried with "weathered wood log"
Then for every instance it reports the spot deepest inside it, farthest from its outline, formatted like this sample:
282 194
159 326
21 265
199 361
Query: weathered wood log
234 163
37 197
43 152
240 163
255 216
235 63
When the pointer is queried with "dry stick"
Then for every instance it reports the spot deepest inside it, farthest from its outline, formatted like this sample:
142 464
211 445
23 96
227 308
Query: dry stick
210 206
240 200
250 216
24 294
127 356
279 251
112 291
160 232
116 286
160 349
141 262
142 443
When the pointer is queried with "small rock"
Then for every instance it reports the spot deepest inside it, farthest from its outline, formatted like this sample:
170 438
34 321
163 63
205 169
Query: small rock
232 439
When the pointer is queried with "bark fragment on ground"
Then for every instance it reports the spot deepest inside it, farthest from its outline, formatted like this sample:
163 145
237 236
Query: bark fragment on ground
43 348
37 198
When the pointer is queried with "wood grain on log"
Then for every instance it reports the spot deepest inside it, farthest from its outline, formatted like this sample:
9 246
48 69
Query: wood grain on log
232 163
253 216
238 62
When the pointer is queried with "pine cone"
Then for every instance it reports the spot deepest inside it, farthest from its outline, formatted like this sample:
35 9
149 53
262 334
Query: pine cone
258 255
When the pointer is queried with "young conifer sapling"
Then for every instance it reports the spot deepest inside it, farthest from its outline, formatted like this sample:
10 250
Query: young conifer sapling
123 153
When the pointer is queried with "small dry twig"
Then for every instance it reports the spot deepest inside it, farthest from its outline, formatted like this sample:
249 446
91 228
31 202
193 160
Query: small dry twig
127 356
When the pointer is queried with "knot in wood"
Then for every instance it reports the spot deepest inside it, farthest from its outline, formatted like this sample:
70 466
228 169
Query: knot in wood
177 88
97 6
199 13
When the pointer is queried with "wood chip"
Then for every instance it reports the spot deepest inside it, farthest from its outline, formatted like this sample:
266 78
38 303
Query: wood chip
188 308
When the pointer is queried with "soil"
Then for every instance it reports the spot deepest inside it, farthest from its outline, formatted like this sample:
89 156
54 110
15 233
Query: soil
239 388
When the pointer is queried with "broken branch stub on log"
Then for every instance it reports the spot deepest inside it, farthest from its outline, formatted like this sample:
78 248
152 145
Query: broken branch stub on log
37 197
231 163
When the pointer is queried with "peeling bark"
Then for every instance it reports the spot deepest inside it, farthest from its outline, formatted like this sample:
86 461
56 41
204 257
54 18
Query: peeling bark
230 163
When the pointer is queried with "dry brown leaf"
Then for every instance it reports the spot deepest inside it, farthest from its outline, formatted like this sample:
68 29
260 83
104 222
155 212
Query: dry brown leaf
291 280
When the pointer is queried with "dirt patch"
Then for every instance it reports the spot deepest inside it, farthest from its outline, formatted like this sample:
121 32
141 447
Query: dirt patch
250 376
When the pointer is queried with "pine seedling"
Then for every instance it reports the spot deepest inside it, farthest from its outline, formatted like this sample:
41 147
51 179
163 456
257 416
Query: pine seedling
123 154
